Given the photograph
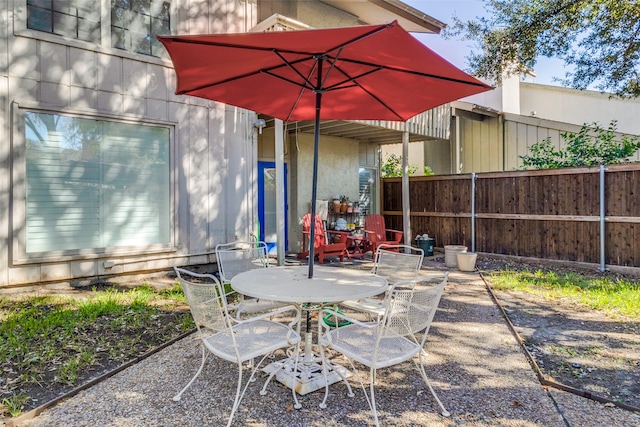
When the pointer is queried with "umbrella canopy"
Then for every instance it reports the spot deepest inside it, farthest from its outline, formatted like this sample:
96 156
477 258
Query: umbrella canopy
377 72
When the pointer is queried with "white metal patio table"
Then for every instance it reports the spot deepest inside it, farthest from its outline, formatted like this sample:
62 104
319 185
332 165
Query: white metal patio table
329 285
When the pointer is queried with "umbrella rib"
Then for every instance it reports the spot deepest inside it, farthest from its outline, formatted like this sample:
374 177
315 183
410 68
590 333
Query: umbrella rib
348 78
266 70
417 73
362 36
302 85
355 83
295 104
307 85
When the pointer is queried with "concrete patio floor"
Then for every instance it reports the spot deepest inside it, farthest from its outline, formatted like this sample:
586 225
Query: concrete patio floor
475 364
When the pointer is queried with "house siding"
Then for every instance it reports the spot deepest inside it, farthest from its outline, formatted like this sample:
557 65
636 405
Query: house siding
213 150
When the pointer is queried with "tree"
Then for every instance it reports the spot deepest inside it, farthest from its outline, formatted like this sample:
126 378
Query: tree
598 40
392 167
591 146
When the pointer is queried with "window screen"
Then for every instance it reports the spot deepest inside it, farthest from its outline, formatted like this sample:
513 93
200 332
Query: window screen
95 183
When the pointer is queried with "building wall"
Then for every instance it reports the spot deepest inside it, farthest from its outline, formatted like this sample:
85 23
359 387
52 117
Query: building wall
338 164
213 146
481 145
579 107
313 13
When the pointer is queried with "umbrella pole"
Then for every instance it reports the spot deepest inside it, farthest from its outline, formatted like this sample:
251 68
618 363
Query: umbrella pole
314 179
314 185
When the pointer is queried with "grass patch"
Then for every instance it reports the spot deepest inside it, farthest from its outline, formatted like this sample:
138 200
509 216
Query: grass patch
613 296
52 343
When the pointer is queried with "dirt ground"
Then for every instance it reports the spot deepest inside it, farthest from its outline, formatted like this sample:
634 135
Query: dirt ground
578 347
572 345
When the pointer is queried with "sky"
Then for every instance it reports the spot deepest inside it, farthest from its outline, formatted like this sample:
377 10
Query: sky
455 51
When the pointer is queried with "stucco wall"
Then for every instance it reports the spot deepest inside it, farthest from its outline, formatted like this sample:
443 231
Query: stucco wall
337 174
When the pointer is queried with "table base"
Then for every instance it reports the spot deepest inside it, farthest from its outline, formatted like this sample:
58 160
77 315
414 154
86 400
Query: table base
308 377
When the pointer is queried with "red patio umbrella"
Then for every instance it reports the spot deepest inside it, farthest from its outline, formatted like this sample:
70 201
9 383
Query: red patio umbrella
376 72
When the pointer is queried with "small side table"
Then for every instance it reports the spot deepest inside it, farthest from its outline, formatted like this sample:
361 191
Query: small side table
355 245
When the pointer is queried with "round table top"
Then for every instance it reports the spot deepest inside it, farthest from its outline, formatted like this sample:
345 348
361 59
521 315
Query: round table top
291 284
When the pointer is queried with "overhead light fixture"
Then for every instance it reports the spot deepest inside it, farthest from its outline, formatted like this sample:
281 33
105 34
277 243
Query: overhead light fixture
260 124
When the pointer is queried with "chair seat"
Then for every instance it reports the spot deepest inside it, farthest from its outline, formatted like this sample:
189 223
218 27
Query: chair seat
374 306
253 306
359 343
253 339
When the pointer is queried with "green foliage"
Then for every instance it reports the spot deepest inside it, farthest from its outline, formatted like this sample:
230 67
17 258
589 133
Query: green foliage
392 167
598 40
67 335
591 146
612 296
14 404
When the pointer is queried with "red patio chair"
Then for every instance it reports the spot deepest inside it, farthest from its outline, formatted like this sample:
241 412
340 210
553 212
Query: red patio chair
378 234
322 248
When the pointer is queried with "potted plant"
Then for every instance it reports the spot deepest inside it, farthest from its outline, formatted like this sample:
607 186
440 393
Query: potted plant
344 200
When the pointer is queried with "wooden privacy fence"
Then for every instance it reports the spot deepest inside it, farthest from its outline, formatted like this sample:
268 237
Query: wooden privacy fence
588 215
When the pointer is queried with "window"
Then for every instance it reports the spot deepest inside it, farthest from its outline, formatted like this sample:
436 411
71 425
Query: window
95 183
368 190
78 19
136 23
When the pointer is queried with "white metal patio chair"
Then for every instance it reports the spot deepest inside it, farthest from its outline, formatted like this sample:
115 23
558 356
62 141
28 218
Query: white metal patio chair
237 341
239 256
392 339
394 263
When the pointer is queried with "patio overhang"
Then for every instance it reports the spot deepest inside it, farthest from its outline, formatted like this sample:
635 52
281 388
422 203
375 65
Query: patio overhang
430 125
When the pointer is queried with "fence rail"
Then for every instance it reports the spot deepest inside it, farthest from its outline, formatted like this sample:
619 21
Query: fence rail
587 215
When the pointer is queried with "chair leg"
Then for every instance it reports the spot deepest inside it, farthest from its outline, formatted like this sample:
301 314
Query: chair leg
241 391
236 401
286 366
373 397
364 389
204 358
420 367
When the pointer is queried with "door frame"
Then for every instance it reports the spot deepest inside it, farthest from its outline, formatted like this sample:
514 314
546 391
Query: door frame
261 199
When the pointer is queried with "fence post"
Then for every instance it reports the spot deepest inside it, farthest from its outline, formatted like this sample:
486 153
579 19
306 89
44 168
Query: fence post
602 220
473 212
406 202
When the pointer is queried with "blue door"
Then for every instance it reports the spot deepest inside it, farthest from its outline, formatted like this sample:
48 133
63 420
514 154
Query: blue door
267 205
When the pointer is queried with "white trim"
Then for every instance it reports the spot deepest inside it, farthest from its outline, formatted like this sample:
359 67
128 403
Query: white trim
17 201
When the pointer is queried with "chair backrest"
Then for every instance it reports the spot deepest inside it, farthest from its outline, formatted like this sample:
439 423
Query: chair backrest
237 257
206 299
375 223
320 236
397 262
411 305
